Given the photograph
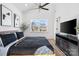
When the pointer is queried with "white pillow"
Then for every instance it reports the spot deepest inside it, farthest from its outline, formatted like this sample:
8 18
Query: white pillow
1 43
15 35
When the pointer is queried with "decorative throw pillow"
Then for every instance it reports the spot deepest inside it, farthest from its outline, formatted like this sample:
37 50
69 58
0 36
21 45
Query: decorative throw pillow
19 35
7 39
43 50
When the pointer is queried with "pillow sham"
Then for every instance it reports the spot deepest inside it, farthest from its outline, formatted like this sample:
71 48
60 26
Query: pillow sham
7 38
19 35
1 44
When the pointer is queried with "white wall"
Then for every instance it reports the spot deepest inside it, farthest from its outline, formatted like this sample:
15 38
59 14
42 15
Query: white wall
67 11
42 14
14 10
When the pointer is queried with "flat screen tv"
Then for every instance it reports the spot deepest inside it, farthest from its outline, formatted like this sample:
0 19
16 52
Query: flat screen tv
68 27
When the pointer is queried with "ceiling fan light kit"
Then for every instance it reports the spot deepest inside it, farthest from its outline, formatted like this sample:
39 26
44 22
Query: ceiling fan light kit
26 5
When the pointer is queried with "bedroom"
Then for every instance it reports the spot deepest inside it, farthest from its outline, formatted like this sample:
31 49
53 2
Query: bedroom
32 28
25 20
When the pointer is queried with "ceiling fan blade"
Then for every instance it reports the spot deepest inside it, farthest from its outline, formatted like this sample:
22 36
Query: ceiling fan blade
44 5
45 8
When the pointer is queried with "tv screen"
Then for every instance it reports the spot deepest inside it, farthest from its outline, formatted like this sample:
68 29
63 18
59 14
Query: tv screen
68 27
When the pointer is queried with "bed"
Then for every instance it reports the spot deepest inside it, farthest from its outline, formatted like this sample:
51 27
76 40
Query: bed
28 46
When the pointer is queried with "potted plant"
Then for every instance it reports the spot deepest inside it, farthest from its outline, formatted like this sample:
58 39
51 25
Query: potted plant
24 27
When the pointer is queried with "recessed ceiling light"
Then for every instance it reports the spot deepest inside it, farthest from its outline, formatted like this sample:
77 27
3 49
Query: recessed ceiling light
25 4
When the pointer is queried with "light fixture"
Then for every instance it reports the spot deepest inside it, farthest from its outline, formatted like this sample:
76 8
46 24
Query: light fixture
26 5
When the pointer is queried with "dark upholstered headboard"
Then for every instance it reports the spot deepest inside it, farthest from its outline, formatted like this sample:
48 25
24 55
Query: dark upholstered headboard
7 38
19 35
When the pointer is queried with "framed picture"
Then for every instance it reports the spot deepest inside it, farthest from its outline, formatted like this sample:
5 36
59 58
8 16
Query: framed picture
6 16
16 20
39 25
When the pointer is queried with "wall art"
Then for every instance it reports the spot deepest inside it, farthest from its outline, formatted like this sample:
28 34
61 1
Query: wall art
6 16
16 20
39 25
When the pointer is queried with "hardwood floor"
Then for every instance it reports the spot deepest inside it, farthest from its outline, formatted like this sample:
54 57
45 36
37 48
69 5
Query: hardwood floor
57 51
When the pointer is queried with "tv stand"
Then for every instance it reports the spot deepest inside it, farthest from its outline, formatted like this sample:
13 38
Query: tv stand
68 44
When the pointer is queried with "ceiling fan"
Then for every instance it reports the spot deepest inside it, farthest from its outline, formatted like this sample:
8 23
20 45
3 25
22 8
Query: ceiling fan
42 6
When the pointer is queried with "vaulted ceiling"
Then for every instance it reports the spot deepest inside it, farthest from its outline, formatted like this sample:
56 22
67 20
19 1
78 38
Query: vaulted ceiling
27 6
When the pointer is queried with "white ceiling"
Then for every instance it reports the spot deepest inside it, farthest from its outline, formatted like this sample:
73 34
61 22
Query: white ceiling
22 7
